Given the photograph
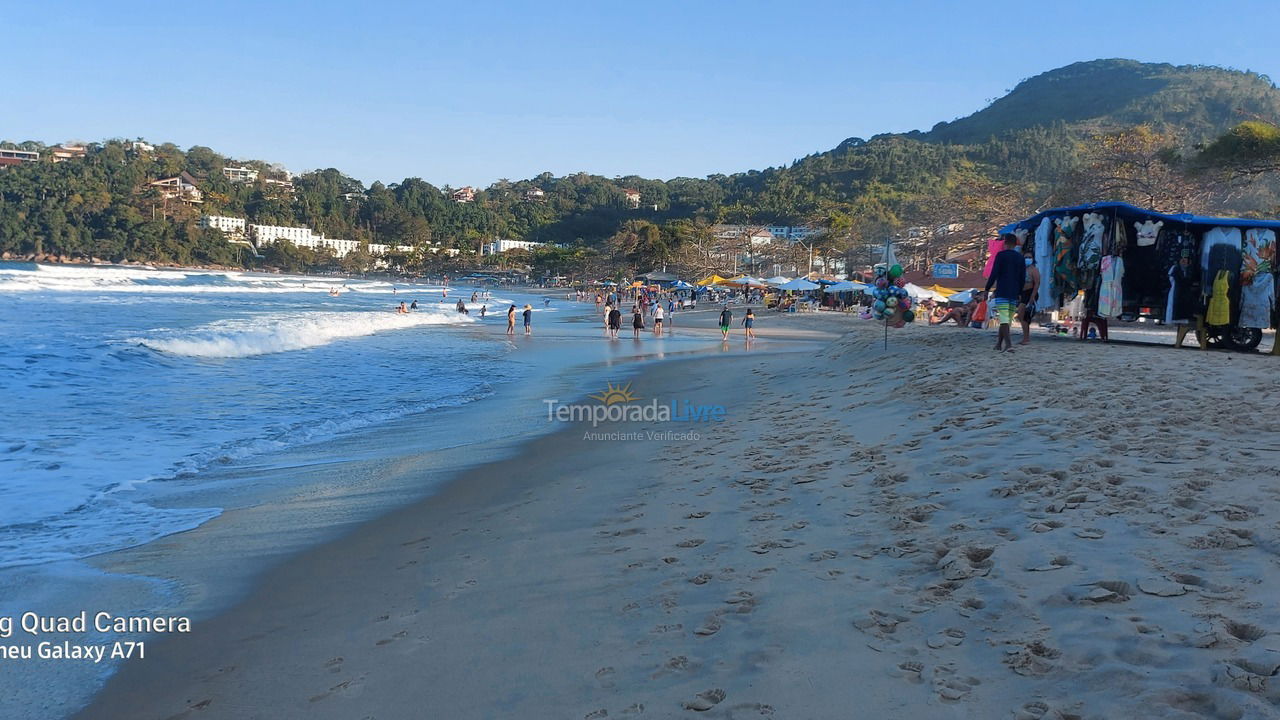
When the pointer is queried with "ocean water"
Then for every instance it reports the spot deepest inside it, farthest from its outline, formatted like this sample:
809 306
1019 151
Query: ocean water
114 379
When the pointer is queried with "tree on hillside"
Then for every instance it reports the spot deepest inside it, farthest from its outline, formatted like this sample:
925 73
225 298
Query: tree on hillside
1250 149
1139 166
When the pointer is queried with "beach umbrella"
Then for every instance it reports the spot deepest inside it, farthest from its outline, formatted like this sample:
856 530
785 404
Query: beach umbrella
681 285
846 286
779 280
712 279
799 284
943 290
748 281
963 296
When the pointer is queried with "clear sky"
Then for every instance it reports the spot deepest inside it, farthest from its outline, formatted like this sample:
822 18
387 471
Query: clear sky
468 92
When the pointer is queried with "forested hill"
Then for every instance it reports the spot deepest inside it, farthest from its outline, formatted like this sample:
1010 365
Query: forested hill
1060 137
1197 102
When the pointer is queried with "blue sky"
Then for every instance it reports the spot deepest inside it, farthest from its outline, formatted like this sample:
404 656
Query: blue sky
466 93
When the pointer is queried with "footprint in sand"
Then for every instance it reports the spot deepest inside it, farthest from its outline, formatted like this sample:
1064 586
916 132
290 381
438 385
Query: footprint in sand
709 627
596 714
911 671
691 543
605 677
946 638
706 700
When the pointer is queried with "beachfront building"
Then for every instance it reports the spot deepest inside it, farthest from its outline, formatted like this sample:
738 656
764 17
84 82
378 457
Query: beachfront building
383 249
633 197
240 174
228 225
301 237
463 195
180 187
16 157
62 153
501 246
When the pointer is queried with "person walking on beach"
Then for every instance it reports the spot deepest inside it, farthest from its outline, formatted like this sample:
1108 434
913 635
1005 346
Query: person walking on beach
1008 273
528 319
511 320
748 325
607 310
614 321
637 321
657 320
1030 287
726 319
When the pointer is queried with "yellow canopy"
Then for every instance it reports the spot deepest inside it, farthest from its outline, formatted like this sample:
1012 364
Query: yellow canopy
943 290
712 280
637 284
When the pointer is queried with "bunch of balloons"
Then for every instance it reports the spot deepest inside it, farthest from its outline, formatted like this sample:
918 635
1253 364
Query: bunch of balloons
892 303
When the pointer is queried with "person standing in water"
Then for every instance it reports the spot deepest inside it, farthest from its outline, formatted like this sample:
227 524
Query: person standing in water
614 321
748 324
726 319
414 306
528 319
657 320
483 309
637 321
511 320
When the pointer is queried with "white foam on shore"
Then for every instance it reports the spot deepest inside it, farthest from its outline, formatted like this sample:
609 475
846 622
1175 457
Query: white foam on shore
245 337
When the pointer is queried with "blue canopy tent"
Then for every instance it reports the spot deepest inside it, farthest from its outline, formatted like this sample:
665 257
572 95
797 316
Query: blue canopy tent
1133 213
1196 227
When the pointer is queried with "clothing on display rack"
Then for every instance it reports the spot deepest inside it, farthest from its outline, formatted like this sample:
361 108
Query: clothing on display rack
1257 286
1183 303
1219 312
1111 289
1090 260
1046 298
1064 256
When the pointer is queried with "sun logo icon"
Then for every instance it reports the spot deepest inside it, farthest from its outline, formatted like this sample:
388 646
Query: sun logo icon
615 394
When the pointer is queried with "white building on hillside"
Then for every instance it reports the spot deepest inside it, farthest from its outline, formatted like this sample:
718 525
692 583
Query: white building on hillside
228 225
501 246
241 174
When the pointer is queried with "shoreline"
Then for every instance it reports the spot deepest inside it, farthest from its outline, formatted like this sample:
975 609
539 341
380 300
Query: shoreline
312 494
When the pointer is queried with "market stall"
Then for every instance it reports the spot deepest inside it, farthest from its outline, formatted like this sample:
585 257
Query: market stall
1112 260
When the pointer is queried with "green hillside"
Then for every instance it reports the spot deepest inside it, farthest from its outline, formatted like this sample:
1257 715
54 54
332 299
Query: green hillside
1197 101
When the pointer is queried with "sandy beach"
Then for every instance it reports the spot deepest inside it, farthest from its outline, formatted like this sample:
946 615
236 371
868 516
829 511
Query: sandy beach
1074 530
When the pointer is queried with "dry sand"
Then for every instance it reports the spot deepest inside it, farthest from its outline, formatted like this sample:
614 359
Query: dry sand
1071 530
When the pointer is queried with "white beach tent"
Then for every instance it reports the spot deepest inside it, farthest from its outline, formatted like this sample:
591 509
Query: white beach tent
779 280
799 284
920 293
748 280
